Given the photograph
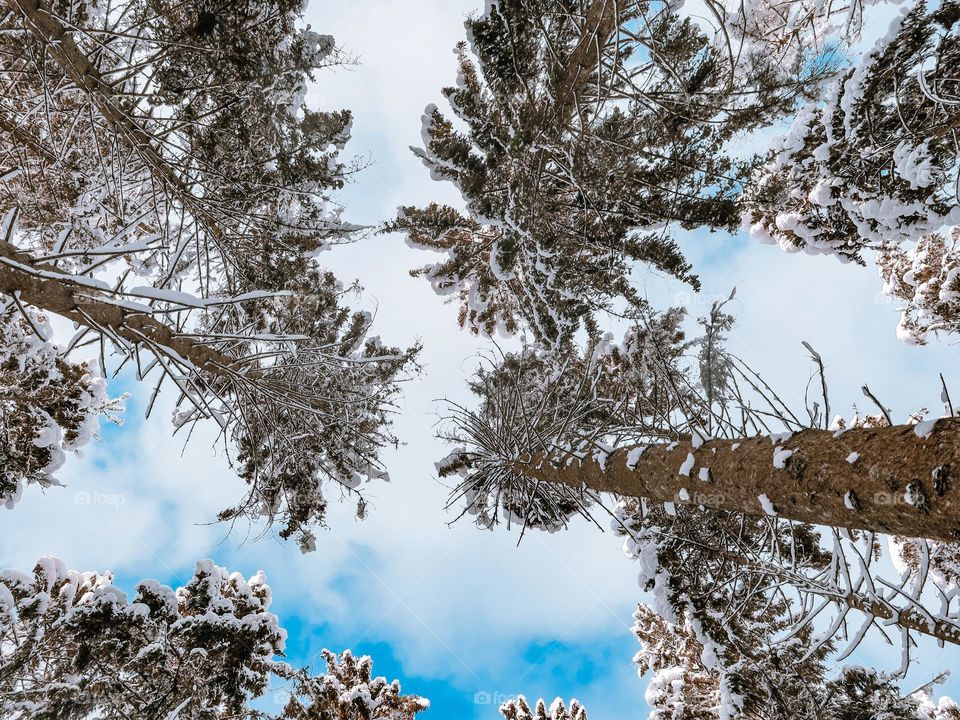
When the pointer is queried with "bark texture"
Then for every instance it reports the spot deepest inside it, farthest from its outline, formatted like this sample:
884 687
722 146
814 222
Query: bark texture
897 482
600 24
923 623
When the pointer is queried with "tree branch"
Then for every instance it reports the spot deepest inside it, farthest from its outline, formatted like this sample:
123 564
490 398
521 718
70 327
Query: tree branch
82 300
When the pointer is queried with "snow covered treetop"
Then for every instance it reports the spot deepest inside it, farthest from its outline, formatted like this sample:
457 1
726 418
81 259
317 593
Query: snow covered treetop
575 147
519 709
73 646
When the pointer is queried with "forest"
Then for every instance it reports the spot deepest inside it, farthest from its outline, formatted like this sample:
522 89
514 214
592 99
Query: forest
679 276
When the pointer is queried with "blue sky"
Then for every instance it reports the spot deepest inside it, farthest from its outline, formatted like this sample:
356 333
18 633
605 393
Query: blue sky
457 614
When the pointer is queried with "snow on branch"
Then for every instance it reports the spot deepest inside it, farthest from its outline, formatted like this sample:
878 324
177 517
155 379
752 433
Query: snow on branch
875 163
170 199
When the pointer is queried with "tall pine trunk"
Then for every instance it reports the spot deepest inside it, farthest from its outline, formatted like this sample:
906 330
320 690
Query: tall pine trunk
897 480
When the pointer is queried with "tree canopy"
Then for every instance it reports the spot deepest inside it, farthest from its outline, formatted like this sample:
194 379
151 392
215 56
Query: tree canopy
167 190
589 129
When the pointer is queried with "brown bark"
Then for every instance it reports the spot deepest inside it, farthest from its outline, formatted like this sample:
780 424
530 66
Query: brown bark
35 285
814 485
599 25
905 618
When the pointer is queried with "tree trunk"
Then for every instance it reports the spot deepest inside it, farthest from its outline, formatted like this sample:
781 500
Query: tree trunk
86 302
896 480
599 25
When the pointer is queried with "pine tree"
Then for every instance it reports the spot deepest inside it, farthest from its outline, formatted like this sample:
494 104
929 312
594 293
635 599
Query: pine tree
716 645
165 188
589 129
513 118
733 635
519 709
873 166
73 646
717 491
636 418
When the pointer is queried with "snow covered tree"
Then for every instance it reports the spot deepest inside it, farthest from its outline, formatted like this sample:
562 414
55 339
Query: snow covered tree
874 166
588 129
783 535
779 512
643 419
529 105
348 691
72 646
730 633
927 277
165 188
862 692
